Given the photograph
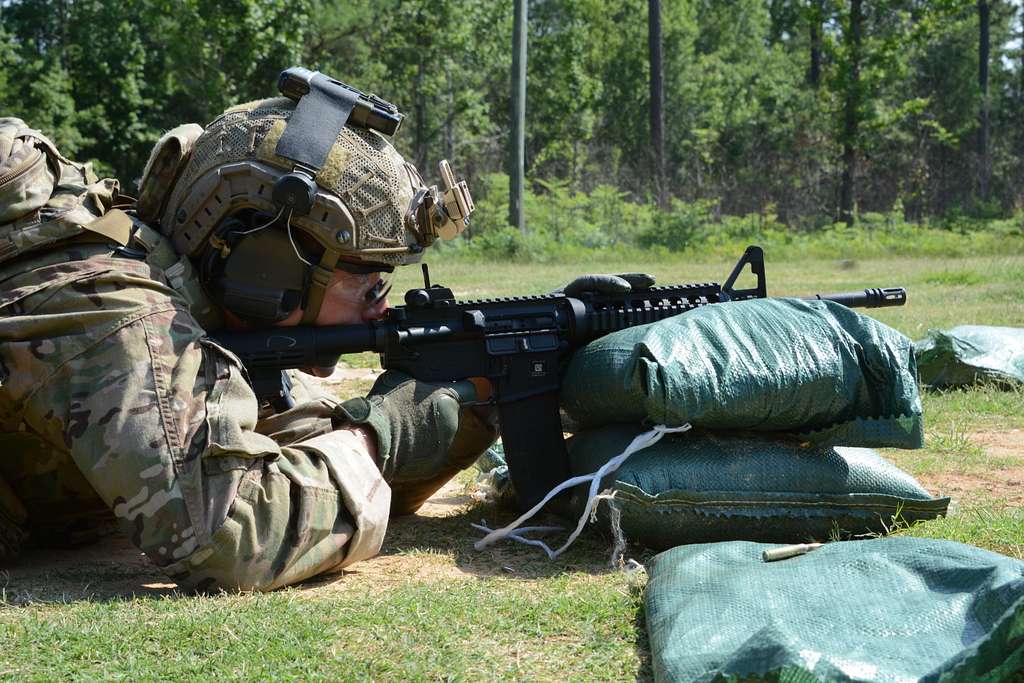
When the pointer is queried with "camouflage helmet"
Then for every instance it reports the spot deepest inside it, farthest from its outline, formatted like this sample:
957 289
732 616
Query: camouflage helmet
364 189
369 205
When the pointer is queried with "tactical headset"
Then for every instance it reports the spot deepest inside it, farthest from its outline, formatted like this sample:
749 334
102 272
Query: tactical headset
244 268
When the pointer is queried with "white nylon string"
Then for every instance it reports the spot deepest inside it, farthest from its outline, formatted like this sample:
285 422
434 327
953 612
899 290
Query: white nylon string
513 530
291 239
267 224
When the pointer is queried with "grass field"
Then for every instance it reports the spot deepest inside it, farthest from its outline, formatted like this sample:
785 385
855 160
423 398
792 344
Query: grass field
432 608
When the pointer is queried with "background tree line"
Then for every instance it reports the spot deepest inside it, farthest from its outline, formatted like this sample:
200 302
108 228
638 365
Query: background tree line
806 112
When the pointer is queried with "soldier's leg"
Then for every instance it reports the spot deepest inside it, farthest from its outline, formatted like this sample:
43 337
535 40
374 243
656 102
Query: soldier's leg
13 521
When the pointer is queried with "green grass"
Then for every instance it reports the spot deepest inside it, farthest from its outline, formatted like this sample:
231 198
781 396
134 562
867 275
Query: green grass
507 613
989 524
362 360
980 407
491 629
955 278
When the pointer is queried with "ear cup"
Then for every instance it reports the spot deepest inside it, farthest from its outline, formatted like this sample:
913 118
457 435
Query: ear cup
255 276
295 192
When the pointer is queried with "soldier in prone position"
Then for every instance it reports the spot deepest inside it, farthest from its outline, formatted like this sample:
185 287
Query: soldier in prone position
114 400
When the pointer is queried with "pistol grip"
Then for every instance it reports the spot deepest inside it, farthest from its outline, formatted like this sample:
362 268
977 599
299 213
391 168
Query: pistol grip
531 430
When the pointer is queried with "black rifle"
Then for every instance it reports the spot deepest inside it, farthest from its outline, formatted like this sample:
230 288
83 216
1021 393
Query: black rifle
518 343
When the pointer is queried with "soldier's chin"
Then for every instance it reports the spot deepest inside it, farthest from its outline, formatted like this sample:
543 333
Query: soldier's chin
325 371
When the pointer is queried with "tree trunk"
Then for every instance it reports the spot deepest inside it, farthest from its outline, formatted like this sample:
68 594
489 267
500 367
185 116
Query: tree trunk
419 119
517 141
815 17
449 121
851 112
657 99
984 166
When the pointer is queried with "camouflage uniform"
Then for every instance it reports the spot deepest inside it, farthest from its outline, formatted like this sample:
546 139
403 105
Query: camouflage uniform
112 397
104 367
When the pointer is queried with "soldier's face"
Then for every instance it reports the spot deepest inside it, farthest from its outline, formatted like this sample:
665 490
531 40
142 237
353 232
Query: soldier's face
346 301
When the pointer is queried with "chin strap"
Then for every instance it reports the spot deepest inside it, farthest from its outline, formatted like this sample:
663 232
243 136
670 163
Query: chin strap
320 279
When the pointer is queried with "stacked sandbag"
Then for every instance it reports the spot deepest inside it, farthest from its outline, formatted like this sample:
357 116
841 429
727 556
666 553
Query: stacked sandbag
813 368
785 396
701 486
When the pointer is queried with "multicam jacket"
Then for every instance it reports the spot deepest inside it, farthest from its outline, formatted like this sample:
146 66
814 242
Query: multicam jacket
114 402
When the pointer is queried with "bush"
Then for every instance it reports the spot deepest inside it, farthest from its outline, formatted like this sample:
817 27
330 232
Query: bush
566 225
680 227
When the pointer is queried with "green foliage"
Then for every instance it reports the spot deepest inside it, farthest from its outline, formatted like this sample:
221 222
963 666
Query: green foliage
746 133
569 226
680 227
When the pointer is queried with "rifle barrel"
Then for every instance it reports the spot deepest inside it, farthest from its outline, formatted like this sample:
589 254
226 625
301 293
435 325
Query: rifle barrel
876 297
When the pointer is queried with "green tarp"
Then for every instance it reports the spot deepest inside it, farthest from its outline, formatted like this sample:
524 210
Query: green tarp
894 610
970 354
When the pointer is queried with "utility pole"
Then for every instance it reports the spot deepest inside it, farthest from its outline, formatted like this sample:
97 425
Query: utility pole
657 99
851 112
517 141
984 21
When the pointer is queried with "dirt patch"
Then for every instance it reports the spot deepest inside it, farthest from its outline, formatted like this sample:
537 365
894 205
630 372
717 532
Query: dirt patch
1008 444
344 377
343 374
1003 481
436 544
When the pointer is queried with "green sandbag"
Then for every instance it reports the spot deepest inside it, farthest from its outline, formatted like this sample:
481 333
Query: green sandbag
971 354
783 365
892 609
698 487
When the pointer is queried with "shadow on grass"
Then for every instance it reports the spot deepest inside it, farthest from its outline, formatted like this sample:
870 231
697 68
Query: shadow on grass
642 647
453 536
109 569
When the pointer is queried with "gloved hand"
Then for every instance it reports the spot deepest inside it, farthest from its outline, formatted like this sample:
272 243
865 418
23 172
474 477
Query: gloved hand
424 433
623 283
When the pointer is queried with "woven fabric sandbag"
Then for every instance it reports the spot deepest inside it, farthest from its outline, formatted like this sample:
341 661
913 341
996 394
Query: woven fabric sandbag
970 354
815 368
699 487
885 610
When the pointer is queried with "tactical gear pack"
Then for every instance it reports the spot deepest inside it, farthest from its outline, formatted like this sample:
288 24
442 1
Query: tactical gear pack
45 197
165 164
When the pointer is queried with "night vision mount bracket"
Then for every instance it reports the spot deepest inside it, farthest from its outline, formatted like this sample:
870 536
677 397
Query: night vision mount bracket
323 107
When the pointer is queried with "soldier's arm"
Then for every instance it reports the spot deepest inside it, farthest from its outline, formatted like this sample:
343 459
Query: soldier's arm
163 425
